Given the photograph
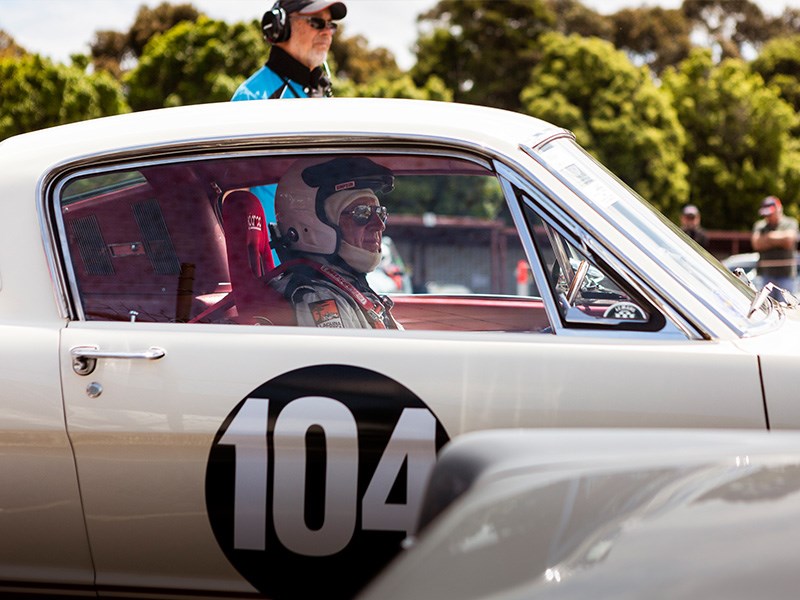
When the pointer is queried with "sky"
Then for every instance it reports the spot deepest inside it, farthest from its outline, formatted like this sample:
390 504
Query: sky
59 28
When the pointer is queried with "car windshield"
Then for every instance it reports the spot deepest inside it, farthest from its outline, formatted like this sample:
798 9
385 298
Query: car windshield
695 268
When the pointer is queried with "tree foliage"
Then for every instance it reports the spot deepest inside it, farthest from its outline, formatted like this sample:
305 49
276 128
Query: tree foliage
738 137
616 113
652 35
728 25
194 63
574 17
358 63
110 50
150 22
779 65
483 51
37 93
395 87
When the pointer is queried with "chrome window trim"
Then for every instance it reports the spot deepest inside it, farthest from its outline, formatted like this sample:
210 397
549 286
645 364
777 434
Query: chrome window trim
530 250
732 327
675 324
51 183
545 137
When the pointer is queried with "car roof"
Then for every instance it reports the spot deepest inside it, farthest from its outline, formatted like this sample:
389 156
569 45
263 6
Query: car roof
360 116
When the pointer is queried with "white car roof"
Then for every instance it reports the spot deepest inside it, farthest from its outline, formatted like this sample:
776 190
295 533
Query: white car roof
392 117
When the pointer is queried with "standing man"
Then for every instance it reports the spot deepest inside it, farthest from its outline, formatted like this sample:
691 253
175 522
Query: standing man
775 239
300 33
690 224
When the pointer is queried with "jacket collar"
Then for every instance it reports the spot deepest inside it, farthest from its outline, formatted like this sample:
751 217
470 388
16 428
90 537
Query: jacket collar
285 65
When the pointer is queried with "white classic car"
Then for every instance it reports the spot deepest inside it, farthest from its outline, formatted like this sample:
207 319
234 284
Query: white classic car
168 429
556 514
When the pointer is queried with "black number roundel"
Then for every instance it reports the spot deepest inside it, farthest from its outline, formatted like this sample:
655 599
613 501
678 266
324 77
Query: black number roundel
316 477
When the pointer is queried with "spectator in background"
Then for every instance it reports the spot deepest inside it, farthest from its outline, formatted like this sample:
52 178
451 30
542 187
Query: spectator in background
690 224
775 239
300 33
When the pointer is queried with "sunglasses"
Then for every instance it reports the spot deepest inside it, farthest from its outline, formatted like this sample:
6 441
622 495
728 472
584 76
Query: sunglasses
362 213
319 23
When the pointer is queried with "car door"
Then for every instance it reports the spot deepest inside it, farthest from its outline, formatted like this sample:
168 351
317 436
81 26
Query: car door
44 545
177 478
611 356
207 449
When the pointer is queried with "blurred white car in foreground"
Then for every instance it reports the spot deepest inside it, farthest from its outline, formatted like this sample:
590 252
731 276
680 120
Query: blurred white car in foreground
630 514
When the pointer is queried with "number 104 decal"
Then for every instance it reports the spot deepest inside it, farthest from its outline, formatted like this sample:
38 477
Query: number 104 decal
319 472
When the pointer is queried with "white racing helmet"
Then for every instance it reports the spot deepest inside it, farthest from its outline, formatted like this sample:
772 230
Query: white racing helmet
303 189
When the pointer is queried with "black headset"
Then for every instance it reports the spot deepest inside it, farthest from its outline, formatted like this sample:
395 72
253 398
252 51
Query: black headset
275 23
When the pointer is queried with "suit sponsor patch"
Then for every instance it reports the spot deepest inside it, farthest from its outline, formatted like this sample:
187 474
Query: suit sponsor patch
326 314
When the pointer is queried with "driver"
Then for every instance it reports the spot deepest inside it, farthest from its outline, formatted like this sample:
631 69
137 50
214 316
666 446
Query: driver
330 224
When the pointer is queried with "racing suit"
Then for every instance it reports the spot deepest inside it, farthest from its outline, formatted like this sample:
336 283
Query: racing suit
284 77
325 294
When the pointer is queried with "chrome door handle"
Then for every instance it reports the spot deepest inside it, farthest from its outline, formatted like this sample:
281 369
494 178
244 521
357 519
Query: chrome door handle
84 358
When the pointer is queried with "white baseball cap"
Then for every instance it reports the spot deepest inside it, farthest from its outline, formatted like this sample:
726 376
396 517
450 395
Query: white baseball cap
338 9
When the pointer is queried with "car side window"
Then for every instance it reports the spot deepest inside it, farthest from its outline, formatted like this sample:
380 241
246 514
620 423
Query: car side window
193 241
587 293
145 245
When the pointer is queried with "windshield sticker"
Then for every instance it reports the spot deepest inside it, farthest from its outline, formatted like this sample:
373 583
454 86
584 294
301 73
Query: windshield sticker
320 471
575 168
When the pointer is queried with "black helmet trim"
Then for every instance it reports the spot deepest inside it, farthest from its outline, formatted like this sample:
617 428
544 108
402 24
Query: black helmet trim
346 173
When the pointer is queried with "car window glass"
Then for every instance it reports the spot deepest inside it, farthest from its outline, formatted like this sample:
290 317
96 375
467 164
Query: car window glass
587 293
655 234
145 245
152 244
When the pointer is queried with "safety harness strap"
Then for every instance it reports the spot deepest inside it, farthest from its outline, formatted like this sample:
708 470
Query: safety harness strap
374 312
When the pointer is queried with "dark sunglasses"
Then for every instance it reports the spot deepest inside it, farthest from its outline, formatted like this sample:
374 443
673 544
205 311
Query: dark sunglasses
362 213
319 23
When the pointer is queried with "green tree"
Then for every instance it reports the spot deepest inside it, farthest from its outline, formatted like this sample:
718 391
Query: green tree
36 93
616 112
729 26
778 63
653 36
356 62
152 21
786 24
449 195
194 63
483 51
384 86
111 50
738 138
574 17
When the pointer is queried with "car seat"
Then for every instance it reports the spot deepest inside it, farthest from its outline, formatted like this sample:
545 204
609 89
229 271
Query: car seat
250 262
